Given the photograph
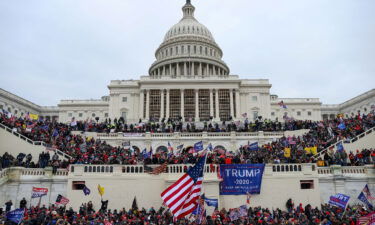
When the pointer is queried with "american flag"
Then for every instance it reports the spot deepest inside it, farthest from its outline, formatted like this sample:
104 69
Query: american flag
160 169
61 200
170 148
181 197
367 192
369 219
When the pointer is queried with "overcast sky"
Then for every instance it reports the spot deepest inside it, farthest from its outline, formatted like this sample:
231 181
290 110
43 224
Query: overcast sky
71 49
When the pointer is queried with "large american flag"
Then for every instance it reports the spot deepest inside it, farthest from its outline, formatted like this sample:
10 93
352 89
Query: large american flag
181 197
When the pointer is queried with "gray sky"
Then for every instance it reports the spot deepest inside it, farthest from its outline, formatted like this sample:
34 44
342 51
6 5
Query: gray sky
71 49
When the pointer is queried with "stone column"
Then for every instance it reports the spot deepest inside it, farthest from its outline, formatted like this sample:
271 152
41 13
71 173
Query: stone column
208 69
167 106
159 72
182 104
200 69
231 103
141 103
177 69
185 69
170 69
196 105
217 105
147 104
211 103
238 113
163 73
192 73
161 104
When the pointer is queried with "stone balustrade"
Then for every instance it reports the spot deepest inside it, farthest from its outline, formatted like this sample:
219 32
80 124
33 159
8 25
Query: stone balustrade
346 170
190 135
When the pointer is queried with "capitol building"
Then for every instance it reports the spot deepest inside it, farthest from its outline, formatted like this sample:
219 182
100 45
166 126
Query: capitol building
189 81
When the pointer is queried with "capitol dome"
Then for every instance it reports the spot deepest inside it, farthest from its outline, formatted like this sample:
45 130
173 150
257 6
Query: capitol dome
188 50
188 26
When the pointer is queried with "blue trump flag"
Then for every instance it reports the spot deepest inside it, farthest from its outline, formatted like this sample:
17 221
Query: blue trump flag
240 179
364 199
341 126
198 146
212 202
253 147
340 147
339 200
16 215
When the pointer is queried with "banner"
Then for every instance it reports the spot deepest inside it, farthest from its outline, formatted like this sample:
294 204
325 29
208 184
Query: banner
16 216
133 135
39 192
339 200
241 179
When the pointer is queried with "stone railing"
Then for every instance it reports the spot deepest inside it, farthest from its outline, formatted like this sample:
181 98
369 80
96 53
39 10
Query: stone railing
201 135
3 173
347 170
37 143
212 169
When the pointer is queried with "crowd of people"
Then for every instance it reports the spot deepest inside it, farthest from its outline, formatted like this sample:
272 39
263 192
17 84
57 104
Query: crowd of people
85 150
22 160
88 215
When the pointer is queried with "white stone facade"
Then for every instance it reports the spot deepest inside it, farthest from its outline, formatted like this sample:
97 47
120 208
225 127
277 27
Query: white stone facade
363 104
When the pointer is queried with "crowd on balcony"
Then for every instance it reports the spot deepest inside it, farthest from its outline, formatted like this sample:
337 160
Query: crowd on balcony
45 159
86 150
87 214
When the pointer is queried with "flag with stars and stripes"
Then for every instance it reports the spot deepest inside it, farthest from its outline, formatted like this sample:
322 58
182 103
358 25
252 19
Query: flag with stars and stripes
182 196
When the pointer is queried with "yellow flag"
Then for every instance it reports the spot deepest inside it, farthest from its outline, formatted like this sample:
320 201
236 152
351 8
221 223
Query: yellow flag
308 150
287 152
34 116
314 150
101 190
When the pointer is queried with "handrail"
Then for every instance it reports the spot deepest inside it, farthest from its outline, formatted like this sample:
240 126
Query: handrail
42 143
354 139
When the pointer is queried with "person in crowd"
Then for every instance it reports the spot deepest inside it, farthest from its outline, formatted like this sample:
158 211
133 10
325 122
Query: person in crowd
308 215
23 203
8 205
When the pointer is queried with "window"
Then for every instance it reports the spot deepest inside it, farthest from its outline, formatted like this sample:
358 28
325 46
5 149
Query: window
272 113
105 114
309 113
124 99
15 111
1 106
307 184
70 114
78 185
254 98
93 115
80 115
298 113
